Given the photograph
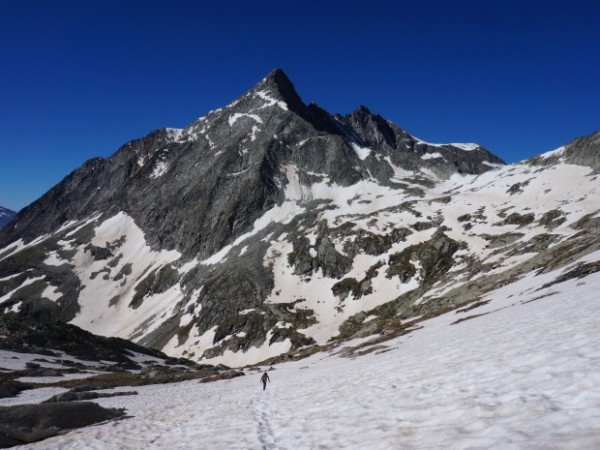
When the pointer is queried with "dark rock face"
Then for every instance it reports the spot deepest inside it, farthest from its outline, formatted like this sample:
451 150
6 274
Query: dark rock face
585 151
327 259
189 197
372 131
24 424
11 388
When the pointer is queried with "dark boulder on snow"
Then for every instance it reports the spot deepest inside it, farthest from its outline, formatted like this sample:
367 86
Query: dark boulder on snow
73 396
24 424
11 388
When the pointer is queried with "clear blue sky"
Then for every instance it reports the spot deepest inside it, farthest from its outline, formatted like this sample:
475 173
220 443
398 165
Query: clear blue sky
80 78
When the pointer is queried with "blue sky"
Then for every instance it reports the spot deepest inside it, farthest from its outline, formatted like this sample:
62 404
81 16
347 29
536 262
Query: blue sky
80 78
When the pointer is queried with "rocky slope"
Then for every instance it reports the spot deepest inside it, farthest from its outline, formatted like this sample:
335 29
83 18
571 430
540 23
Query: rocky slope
271 227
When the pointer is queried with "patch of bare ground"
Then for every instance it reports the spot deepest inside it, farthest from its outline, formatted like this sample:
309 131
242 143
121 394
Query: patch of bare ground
392 328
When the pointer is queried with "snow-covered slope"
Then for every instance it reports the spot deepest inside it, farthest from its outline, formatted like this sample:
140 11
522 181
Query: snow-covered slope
454 242
271 228
522 372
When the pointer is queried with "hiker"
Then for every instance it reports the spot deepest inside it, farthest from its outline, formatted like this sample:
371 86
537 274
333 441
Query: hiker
264 380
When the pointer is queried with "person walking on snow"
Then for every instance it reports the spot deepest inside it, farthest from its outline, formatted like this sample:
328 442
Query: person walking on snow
264 380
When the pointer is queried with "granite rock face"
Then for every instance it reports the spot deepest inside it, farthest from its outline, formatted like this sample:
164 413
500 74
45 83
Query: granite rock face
197 189
585 151
271 225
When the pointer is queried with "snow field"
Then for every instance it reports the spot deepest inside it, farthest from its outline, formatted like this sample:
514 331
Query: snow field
525 375
486 192
369 206
120 320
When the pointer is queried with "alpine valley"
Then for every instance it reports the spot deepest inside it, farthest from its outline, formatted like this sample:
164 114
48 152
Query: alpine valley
271 229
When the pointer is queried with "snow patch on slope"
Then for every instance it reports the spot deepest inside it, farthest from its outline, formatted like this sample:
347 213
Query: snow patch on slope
97 315
252 355
432 156
27 282
468 147
361 152
235 117
556 152
160 168
270 101
174 134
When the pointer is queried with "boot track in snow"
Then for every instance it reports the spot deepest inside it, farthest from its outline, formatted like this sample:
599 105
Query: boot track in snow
261 413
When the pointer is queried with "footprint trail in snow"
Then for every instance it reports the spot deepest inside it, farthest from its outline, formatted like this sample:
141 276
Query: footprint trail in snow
262 412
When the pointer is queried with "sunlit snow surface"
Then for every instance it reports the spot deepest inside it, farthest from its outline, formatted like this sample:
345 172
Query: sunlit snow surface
525 373
96 316
488 198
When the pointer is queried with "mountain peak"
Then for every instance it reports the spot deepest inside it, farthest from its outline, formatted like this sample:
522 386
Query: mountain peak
216 210
361 110
277 76
280 85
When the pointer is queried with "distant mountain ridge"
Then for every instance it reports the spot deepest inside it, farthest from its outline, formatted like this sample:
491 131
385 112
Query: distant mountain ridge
6 215
246 134
271 227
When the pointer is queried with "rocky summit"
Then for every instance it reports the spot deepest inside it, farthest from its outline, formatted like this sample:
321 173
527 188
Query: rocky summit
271 229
